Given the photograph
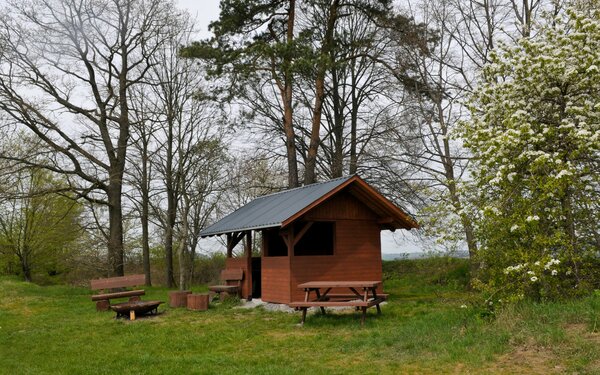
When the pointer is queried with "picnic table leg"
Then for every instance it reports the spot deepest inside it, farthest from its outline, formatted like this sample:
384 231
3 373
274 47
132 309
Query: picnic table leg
318 299
375 297
364 315
303 316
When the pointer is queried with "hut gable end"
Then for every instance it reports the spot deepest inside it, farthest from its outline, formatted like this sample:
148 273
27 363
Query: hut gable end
342 206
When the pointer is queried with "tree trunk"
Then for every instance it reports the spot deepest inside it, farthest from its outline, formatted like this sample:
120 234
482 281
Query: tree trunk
315 137
569 228
25 266
169 231
145 213
288 124
354 125
183 241
115 237
171 203
337 162
448 162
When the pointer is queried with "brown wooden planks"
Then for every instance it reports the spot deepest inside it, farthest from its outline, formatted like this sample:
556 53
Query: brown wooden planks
357 257
275 277
129 293
118 282
337 303
340 284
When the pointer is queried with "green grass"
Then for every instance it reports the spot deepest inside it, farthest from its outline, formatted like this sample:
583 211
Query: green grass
423 329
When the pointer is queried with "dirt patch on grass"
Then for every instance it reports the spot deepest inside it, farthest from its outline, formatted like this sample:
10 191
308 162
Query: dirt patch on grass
528 359
584 331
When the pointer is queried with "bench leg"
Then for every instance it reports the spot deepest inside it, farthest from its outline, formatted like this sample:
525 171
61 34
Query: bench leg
322 310
103 305
378 309
132 315
364 315
303 316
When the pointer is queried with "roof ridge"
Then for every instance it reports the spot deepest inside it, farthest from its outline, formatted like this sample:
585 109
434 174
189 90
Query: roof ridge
305 186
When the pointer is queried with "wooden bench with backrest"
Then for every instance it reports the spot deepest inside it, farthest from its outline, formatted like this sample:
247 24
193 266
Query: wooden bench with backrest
232 279
107 287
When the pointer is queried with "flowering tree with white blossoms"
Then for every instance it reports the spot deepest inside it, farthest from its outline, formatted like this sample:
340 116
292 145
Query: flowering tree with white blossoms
535 138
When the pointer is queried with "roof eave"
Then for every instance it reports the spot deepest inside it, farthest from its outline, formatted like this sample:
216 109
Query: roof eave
234 230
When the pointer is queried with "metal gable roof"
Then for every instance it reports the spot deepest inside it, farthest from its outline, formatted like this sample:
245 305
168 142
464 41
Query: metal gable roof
272 210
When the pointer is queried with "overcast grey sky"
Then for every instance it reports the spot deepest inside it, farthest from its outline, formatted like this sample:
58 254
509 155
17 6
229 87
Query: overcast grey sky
204 11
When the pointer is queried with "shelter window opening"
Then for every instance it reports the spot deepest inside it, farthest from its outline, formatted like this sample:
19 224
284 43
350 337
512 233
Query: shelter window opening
319 239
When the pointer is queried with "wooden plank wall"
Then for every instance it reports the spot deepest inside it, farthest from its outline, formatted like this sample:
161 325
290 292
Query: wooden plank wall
357 257
275 279
357 253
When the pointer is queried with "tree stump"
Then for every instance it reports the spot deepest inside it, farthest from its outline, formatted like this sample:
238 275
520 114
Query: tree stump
102 305
197 302
178 298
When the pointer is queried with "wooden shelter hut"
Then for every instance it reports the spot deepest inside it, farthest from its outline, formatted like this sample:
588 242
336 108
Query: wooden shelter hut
321 232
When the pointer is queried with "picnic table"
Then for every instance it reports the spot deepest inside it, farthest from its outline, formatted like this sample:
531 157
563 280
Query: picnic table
361 295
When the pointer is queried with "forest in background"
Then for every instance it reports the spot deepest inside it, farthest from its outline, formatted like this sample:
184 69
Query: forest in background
122 136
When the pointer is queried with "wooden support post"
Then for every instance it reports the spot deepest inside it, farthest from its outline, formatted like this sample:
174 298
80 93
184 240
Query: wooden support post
264 251
131 314
248 275
229 245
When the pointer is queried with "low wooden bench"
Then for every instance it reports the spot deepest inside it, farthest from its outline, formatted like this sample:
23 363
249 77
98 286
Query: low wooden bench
130 309
108 286
232 279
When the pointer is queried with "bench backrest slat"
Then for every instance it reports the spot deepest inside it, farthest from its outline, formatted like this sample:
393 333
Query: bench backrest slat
234 274
118 282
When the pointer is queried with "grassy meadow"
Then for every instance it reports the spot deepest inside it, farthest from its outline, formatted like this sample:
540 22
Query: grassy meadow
422 330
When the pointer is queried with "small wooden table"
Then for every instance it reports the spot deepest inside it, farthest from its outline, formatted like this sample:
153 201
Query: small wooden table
364 299
135 307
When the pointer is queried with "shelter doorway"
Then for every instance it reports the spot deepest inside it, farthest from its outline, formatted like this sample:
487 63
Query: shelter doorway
256 277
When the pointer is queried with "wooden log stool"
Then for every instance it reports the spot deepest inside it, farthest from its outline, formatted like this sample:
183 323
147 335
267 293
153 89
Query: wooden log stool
197 302
178 298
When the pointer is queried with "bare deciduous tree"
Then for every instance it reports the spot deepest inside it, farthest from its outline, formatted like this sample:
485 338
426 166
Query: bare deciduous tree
66 69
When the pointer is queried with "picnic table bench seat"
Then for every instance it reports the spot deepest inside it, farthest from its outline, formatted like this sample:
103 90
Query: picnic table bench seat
353 303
